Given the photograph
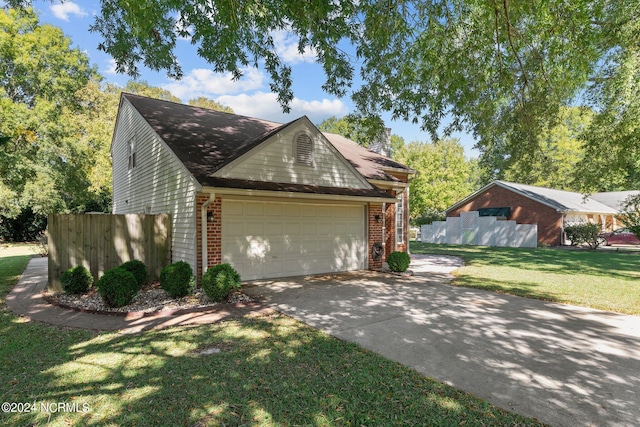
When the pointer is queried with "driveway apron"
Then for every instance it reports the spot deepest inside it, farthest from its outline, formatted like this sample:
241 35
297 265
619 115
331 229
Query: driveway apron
564 365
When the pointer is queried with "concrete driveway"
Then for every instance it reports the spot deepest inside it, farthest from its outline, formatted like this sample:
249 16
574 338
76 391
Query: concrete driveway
564 365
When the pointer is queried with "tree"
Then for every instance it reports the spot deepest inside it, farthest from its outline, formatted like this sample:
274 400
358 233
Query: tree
352 127
40 165
554 163
630 214
141 87
204 102
444 175
499 69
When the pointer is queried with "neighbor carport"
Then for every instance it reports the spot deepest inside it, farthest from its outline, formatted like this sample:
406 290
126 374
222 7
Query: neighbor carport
564 365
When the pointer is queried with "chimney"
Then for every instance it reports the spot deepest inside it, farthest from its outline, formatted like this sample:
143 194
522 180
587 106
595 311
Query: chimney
382 144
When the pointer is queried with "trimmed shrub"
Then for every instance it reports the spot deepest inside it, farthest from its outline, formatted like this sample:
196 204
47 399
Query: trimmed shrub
584 233
118 287
219 281
177 279
76 280
398 261
139 271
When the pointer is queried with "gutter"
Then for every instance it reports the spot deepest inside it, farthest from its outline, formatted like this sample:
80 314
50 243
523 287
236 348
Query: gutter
203 231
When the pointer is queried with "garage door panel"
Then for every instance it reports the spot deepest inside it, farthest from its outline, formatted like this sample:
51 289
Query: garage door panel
253 228
325 229
307 210
254 210
288 239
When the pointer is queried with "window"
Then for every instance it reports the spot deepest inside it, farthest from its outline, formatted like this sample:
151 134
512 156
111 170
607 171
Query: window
400 219
499 212
303 147
132 153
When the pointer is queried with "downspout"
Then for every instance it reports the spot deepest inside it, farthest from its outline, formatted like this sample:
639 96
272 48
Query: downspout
384 229
203 231
562 240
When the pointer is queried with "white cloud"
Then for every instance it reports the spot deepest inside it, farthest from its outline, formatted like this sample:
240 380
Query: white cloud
66 9
287 48
265 105
111 68
204 82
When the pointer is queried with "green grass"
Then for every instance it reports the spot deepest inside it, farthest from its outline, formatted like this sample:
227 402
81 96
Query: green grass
605 280
273 371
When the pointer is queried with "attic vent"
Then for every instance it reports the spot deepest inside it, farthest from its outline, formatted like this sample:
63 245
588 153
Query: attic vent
303 146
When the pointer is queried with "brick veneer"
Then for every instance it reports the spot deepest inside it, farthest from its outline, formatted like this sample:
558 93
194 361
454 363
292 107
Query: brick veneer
390 229
523 210
375 234
214 229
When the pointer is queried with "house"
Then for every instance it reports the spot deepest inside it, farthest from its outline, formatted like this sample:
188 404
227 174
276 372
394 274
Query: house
271 199
550 209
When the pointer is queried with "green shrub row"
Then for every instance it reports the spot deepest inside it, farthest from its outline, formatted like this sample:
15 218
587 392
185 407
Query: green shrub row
117 286
120 285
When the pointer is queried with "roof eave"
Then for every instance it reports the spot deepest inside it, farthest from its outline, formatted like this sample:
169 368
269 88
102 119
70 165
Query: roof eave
295 195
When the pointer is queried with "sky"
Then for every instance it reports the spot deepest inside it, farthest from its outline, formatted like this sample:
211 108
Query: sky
249 96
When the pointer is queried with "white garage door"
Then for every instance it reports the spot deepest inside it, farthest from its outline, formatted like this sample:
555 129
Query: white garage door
275 239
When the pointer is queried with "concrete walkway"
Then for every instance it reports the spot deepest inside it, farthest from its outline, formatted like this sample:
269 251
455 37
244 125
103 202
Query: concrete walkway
25 299
564 365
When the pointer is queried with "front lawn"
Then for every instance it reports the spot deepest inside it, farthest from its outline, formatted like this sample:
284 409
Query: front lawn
605 280
266 372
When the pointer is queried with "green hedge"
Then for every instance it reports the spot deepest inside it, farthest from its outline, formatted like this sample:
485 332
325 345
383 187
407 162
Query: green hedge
177 279
118 287
219 281
76 280
138 269
398 261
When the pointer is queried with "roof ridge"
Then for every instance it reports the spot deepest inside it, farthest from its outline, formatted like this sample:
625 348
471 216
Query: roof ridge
181 104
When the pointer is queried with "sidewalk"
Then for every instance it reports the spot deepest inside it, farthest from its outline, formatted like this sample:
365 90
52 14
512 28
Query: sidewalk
25 299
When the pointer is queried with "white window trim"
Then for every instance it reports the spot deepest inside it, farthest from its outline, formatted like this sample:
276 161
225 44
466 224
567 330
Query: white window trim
400 220
131 154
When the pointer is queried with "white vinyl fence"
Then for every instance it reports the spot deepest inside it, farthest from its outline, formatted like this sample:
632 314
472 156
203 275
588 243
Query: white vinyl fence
472 229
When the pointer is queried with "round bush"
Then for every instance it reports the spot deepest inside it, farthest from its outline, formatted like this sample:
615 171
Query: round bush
219 281
138 269
398 261
177 279
118 287
76 280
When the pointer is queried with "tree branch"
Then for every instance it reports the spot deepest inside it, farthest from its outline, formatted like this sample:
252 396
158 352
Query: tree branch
513 48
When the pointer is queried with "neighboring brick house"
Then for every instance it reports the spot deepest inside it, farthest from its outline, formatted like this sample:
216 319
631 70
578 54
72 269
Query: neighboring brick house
550 209
277 199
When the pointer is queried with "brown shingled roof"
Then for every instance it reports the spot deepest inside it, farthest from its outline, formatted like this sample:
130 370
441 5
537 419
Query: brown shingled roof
371 165
205 140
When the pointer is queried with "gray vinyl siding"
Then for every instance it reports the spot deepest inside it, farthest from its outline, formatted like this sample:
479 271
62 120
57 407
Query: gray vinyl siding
158 183
274 161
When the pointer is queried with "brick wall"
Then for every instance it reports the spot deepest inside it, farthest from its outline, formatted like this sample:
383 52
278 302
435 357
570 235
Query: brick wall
523 211
375 233
390 229
214 229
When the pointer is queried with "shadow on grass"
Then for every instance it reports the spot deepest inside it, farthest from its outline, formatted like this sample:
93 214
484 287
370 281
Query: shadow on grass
527 290
273 371
554 260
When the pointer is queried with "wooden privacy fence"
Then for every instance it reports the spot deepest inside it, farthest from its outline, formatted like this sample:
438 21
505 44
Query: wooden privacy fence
100 242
